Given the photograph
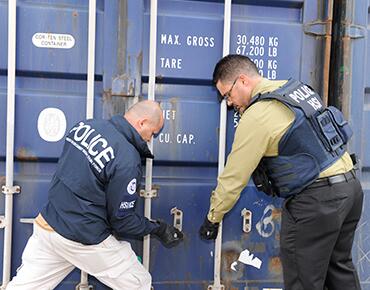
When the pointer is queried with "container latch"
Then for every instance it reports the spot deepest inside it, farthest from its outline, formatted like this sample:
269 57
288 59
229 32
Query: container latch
247 220
177 218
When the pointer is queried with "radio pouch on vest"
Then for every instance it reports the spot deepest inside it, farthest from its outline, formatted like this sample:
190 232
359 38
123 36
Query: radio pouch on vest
262 181
335 129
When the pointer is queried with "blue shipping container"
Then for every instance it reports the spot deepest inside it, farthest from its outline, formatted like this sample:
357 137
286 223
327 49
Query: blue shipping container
285 39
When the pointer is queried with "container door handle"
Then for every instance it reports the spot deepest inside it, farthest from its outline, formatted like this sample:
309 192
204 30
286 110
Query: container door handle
247 220
177 218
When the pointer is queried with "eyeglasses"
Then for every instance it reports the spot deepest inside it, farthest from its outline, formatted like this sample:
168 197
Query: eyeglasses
227 95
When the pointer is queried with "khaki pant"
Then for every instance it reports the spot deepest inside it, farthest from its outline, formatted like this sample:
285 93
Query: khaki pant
48 258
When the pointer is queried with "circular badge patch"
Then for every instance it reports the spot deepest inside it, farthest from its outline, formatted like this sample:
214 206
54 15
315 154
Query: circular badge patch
131 187
51 124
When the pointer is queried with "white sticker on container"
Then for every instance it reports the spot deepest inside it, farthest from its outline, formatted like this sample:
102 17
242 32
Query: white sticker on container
247 258
51 124
53 40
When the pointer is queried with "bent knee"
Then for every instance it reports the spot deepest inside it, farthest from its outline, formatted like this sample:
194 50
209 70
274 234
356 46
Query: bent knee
145 281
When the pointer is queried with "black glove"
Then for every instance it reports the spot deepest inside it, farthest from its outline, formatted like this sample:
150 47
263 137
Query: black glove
208 230
167 234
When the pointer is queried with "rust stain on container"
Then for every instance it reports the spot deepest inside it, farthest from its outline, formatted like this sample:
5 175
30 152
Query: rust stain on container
139 60
228 257
107 95
75 22
257 247
229 254
276 213
25 155
275 266
2 180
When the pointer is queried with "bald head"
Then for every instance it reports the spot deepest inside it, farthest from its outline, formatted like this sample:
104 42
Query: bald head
146 117
146 109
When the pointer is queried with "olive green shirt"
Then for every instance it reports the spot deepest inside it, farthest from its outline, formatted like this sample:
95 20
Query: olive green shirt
258 134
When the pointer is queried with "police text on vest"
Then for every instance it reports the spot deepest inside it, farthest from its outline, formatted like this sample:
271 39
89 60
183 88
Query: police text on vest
305 94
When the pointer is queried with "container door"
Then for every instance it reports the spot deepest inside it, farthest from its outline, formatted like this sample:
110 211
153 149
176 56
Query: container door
279 37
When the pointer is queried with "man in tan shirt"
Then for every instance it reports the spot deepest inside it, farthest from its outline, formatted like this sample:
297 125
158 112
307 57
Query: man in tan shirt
277 139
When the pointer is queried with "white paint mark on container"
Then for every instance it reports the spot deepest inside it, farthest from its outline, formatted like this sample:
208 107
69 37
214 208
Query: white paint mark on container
266 226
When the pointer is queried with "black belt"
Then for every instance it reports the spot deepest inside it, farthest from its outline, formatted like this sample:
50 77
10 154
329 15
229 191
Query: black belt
327 181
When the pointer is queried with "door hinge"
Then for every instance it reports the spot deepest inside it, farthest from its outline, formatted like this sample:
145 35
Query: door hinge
355 31
318 28
323 28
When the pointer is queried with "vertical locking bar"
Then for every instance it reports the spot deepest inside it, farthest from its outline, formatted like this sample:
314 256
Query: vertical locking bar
328 38
84 282
9 175
91 60
222 148
151 96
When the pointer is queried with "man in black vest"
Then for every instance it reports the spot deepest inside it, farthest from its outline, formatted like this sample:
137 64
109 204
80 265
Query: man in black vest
294 148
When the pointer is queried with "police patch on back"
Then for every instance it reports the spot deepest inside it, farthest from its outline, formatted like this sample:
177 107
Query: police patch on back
92 144
298 95
304 95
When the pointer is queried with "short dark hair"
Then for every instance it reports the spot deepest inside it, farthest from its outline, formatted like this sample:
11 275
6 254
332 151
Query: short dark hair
232 65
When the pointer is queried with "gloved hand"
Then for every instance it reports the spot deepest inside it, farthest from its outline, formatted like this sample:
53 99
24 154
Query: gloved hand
208 230
262 181
167 234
